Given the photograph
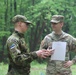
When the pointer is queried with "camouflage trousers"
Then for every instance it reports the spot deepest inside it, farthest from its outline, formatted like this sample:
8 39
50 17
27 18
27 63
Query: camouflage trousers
47 73
57 68
62 71
15 72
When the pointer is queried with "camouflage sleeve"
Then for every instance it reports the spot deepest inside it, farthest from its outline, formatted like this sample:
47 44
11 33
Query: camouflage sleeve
74 59
17 56
74 44
45 43
74 48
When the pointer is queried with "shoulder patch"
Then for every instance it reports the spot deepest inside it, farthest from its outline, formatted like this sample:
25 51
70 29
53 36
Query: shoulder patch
12 46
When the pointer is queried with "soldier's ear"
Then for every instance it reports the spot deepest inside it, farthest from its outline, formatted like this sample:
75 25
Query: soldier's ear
62 24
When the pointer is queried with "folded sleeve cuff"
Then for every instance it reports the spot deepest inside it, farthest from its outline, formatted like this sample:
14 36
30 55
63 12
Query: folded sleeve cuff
34 55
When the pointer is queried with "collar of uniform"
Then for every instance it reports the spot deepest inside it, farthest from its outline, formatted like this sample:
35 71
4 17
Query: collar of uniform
19 34
59 36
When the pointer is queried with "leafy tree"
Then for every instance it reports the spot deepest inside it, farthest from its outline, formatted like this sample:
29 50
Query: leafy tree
39 12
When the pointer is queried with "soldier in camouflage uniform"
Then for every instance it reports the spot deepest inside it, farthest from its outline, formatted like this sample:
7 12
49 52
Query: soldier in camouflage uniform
19 57
57 67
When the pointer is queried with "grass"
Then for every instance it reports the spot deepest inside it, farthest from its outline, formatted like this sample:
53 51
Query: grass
3 69
36 69
73 69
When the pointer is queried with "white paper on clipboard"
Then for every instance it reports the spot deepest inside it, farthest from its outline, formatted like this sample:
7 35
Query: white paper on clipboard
60 51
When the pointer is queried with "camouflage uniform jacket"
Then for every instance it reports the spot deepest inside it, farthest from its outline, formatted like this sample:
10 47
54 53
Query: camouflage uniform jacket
19 57
55 66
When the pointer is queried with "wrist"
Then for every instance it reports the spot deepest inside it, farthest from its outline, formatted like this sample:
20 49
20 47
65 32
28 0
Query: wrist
73 61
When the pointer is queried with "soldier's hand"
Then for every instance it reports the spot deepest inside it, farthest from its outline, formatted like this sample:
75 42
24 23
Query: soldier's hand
41 53
44 53
50 52
68 64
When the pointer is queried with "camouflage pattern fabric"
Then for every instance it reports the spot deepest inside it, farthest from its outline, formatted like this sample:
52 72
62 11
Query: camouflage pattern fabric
19 56
56 67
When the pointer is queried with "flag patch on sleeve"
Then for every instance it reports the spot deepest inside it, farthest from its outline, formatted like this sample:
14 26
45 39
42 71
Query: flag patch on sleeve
12 46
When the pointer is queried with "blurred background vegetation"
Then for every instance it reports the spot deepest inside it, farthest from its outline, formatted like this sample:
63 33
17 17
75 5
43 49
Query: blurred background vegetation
39 12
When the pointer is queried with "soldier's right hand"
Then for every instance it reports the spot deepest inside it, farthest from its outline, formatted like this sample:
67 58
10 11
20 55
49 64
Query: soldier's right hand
40 53
44 53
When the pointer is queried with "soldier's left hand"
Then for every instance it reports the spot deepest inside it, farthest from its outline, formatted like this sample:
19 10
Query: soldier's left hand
47 53
50 52
44 53
68 64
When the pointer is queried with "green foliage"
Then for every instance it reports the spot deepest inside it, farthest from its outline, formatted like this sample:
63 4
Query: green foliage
39 12
4 33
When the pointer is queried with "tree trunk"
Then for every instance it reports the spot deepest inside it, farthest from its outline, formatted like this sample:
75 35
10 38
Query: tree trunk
6 13
15 7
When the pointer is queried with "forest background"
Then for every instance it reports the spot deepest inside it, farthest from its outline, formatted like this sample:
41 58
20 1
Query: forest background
39 12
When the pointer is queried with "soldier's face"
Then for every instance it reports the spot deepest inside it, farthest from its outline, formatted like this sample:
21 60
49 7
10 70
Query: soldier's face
24 27
56 26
